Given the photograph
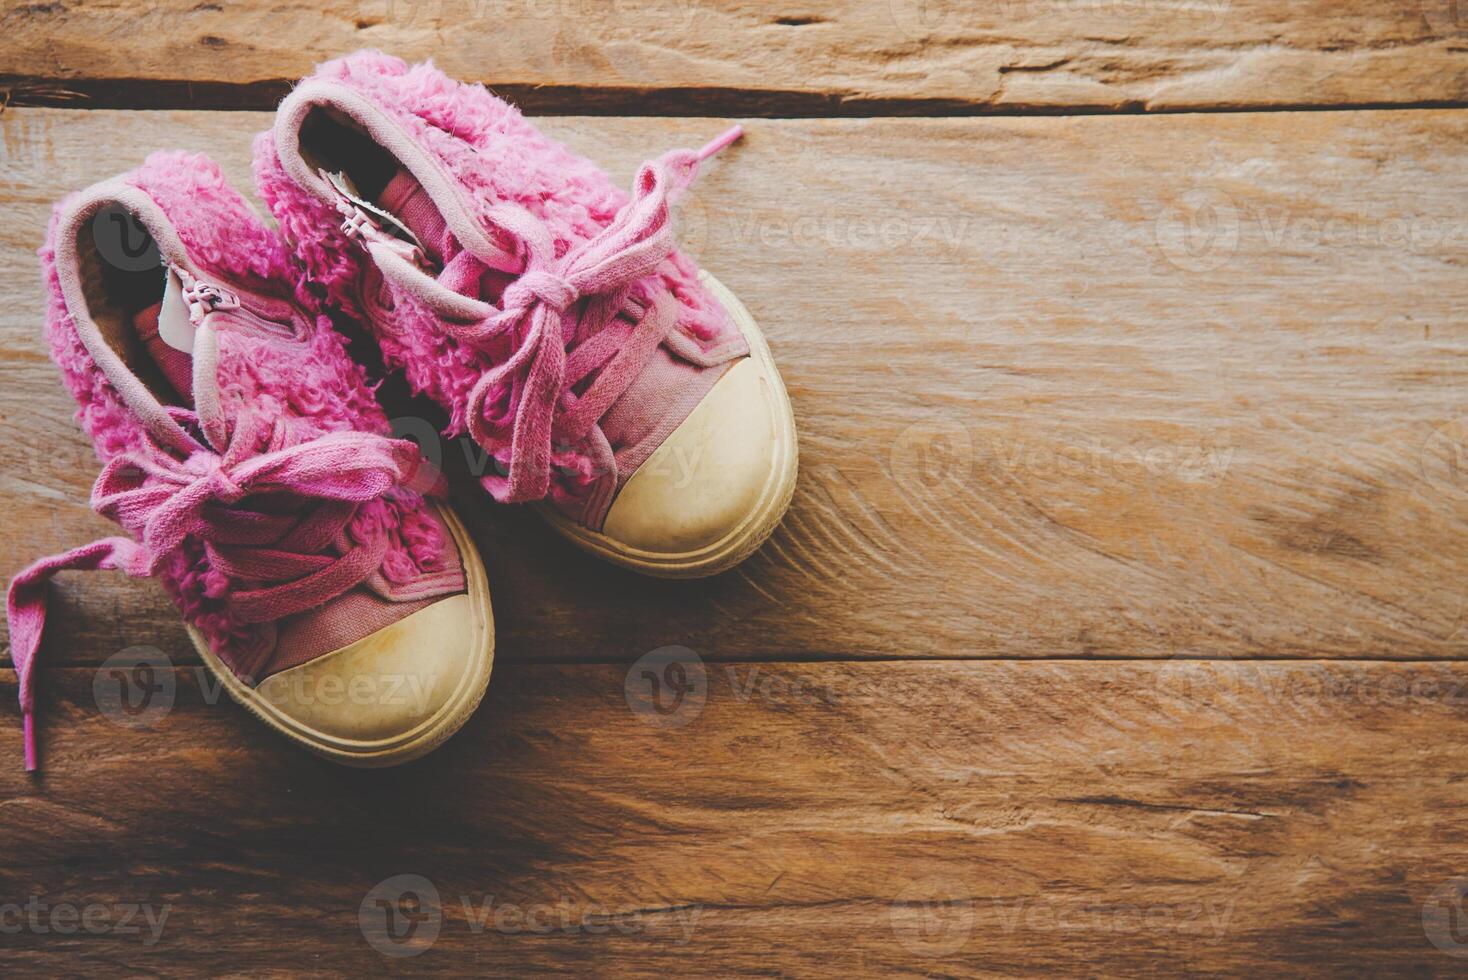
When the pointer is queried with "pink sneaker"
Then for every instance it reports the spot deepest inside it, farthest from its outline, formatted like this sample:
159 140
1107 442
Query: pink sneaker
248 460
549 313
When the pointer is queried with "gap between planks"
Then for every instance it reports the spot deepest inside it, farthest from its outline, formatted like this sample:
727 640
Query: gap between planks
735 57
854 658
570 100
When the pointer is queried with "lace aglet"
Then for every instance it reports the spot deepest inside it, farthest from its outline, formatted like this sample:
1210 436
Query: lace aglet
719 142
29 724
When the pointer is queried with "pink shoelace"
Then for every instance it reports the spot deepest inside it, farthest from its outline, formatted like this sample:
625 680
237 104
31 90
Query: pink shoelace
524 405
164 500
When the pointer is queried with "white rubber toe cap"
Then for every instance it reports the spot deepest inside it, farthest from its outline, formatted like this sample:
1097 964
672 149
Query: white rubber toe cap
385 685
708 476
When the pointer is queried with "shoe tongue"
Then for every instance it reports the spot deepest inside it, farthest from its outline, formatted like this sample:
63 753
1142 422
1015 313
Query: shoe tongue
643 411
405 199
168 337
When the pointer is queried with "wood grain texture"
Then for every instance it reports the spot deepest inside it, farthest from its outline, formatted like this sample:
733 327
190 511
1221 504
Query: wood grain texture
1085 387
751 57
947 819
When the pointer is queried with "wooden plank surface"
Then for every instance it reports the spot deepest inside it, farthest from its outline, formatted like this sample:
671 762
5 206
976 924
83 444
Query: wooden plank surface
1086 389
1045 408
947 819
819 57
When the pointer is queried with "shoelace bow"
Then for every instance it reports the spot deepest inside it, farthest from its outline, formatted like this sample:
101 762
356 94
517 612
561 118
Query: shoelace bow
165 500
526 404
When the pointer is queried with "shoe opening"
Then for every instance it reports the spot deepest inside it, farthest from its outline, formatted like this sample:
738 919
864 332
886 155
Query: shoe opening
124 280
332 141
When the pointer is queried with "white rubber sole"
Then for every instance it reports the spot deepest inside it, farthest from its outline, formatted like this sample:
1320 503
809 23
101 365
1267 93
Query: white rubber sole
423 738
763 518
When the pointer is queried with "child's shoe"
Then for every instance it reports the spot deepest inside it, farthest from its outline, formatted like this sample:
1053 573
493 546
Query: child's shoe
551 315
251 466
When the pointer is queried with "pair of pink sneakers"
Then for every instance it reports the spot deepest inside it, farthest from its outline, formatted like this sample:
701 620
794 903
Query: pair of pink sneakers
627 395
